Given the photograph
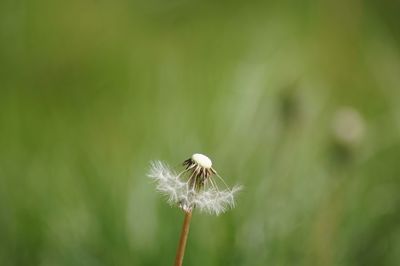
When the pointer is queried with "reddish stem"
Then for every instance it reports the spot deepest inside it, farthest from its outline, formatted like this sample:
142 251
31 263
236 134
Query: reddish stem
182 241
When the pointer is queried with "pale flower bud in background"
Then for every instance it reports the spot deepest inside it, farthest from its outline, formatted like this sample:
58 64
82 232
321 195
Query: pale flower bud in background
348 126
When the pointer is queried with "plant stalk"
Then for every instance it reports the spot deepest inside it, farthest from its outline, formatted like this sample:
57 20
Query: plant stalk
182 241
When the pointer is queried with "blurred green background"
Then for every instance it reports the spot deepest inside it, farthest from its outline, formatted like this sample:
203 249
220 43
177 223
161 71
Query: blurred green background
298 101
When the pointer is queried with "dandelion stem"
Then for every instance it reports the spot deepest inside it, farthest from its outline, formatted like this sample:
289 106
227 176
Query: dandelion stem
182 241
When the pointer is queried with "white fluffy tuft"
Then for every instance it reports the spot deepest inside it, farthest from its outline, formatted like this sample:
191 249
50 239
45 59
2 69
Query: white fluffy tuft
210 200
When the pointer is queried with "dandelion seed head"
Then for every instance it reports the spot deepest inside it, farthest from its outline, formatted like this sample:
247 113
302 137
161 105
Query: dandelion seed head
193 192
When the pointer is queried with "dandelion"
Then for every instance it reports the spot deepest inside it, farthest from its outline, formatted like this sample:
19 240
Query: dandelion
194 187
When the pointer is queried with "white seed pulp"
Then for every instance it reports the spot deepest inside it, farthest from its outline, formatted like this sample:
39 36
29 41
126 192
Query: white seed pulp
202 160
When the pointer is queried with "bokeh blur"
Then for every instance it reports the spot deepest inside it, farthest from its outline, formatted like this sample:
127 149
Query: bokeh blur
298 101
